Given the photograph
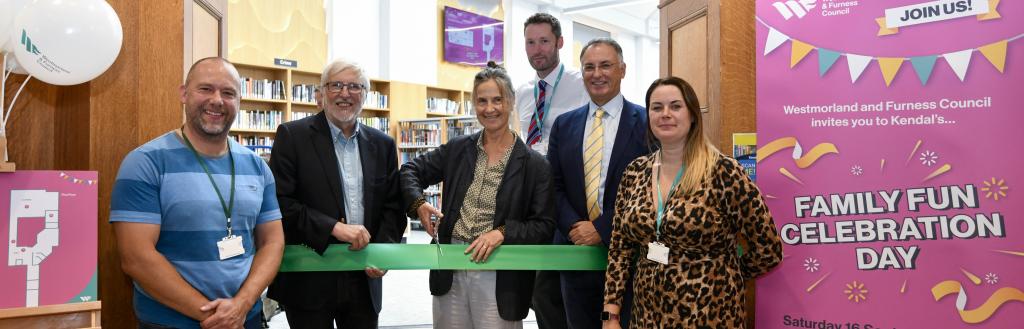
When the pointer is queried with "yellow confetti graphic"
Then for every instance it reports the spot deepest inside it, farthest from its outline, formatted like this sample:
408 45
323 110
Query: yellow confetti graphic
806 160
769 196
974 278
903 288
1015 253
983 312
789 175
881 167
942 170
856 292
911 155
994 190
815 284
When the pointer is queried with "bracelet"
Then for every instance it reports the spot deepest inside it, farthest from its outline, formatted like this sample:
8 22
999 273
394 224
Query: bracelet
501 229
416 205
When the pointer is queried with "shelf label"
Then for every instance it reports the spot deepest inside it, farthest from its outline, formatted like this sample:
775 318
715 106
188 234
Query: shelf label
286 62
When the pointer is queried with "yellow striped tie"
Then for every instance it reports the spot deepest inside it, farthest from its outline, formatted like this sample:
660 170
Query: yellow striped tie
592 156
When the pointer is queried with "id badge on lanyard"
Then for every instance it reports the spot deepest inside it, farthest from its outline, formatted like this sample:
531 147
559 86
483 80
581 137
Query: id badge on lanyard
231 245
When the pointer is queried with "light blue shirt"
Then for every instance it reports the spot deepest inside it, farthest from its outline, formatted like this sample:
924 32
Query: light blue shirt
351 169
610 121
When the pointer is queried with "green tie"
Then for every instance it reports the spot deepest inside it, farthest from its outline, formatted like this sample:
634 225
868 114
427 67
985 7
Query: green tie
592 156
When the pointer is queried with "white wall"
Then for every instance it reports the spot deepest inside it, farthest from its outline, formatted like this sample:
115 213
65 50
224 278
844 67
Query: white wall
640 54
412 41
362 46
390 39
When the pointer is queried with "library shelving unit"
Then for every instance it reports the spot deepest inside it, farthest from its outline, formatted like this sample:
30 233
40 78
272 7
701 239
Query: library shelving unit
442 102
264 105
419 136
275 95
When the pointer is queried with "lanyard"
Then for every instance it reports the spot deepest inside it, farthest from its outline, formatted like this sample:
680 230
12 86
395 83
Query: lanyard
661 203
231 203
547 106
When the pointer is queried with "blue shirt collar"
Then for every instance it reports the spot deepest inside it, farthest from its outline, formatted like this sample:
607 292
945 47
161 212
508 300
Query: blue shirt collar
336 132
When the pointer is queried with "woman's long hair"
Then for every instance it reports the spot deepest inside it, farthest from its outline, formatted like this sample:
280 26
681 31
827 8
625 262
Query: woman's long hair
700 156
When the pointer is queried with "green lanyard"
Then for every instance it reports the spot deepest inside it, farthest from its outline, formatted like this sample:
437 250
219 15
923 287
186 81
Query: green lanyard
661 203
231 203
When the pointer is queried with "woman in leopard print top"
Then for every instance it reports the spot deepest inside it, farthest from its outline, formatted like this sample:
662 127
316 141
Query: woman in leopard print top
683 249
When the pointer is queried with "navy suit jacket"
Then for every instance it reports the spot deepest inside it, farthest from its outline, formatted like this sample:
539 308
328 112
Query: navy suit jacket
565 153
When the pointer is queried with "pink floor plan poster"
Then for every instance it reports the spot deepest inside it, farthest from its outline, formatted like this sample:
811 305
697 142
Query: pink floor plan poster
49 220
889 151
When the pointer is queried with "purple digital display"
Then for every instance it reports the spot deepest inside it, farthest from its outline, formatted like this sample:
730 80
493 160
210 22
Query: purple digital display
472 39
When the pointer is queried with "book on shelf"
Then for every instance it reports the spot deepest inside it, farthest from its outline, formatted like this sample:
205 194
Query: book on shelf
375 100
297 115
250 140
260 150
420 133
378 123
433 199
304 93
262 88
442 106
462 126
258 119
409 154
467 108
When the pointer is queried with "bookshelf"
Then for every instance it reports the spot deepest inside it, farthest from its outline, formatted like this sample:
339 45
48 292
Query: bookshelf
418 117
419 136
442 102
275 95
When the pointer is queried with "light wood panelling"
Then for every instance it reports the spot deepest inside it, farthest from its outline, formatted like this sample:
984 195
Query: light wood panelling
690 55
259 31
205 33
458 76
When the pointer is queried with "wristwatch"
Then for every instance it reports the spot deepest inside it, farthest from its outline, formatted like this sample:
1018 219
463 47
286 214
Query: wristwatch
605 316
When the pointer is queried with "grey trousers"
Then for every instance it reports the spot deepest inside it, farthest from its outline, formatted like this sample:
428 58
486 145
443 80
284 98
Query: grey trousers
471 303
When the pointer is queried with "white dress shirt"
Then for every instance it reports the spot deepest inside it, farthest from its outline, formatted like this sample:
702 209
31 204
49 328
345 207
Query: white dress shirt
569 96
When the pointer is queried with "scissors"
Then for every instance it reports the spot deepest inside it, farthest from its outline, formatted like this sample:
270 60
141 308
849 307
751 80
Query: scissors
437 242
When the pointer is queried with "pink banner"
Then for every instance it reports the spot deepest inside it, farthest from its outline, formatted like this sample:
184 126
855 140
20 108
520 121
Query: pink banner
49 220
886 133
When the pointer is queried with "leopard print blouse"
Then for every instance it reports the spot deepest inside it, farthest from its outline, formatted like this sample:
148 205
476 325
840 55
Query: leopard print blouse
702 287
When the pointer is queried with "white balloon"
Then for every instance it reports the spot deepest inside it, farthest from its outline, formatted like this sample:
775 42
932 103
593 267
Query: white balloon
66 42
8 10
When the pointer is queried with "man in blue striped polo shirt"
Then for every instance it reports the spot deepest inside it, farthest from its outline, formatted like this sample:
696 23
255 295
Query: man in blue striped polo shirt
196 217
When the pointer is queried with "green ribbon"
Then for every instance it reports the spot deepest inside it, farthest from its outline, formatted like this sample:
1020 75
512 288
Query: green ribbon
387 256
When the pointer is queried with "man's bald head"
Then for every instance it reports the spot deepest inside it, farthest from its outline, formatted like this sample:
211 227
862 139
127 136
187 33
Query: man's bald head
213 61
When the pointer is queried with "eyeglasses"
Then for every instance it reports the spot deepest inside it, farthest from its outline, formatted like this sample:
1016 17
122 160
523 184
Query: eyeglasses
338 86
604 67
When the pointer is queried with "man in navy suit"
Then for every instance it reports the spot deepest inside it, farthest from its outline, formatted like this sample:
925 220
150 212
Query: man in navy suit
588 151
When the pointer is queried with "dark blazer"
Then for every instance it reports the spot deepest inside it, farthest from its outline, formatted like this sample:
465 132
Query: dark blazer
524 205
309 191
565 153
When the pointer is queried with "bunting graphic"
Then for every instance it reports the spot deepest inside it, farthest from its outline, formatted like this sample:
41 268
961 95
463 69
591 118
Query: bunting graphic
825 60
994 52
923 66
77 180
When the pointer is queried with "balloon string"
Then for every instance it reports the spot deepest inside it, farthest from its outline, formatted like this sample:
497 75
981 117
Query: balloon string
7 116
3 97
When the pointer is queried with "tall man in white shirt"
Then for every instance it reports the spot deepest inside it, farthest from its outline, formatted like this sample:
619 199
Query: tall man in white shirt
556 89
